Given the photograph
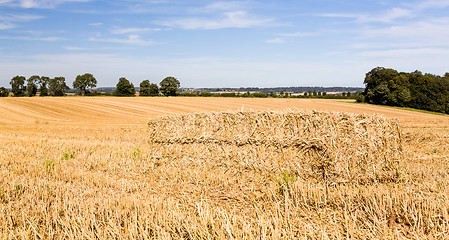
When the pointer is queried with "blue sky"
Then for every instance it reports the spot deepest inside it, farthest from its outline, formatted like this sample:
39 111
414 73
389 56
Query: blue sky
261 43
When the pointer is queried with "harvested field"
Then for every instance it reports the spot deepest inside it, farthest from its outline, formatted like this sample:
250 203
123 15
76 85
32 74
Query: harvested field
74 168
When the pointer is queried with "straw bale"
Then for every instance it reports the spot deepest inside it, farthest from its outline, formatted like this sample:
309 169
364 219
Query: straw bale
333 147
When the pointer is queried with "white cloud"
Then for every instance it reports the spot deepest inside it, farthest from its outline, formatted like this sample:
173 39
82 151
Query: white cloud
276 40
234 19
38 3
385 17
19 18
131 40
4 26
28 38
425 33
119 31
72 48
218 15
96 24
429 4
129 30
407 53
298 34
8 21
225 6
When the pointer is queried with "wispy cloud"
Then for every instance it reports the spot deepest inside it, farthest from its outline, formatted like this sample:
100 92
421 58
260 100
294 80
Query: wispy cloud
383 17
72 48
27 38
276 40
4 25
406 52
283 37
424 33
96 24
129 30
298 34
9 21
235 19
37 3
218 15
225 6
131 40
136 30
429 4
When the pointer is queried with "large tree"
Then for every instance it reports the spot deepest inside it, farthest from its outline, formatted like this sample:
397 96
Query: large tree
57 86
124 88
3 92
18 86
82 82
32 85
43 90
144 88
154 89
376 81
148 89
416 90
169 86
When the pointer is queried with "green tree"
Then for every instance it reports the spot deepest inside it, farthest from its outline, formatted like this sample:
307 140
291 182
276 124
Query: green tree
144 88
169 86
124 88
32 85
57 86
376 81
4 92
82 82
44 81
154 89
18 86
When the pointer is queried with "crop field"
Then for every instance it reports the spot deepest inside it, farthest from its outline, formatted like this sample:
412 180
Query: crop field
220 168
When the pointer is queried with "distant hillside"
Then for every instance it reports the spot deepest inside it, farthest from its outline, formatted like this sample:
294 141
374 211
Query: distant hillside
284 89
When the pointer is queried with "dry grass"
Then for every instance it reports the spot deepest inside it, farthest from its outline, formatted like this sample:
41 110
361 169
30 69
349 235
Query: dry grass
96 178
336 147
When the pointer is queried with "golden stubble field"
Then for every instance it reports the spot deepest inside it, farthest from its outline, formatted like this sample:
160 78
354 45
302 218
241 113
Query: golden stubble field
85 168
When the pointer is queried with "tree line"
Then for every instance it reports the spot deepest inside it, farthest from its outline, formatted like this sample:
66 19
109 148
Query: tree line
387 86
84 85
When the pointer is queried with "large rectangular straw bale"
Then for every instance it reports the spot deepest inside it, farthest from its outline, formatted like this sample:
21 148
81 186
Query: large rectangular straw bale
337 147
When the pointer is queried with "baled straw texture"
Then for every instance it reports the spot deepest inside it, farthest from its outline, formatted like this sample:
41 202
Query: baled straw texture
334 147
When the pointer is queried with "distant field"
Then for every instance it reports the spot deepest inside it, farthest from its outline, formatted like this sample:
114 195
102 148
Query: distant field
137 110
84 167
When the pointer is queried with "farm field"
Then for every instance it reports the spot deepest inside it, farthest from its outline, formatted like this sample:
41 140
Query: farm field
85 167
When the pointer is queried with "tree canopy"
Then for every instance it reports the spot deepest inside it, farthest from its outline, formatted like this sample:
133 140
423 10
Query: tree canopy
18 86
82 82
57 86
44 81
417 90
169 86
4 92
32 85
124 88
148 89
